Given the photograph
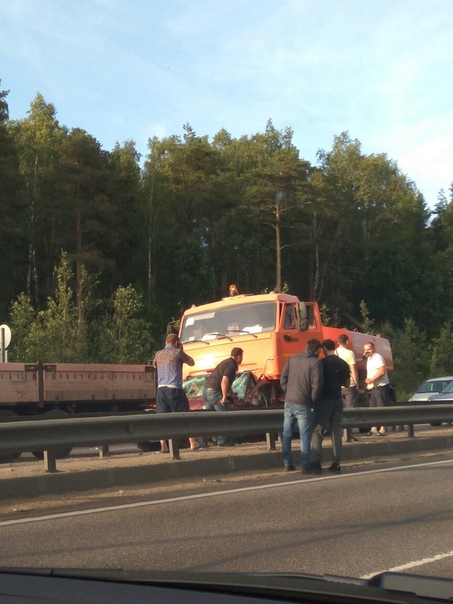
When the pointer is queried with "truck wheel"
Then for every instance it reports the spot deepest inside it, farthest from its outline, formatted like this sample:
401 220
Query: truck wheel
5 413
59 453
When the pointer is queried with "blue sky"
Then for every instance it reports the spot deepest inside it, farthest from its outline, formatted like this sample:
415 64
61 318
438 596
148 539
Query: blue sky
130 70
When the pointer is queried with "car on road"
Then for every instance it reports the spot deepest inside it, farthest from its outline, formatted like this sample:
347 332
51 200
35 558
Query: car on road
444 396
430 388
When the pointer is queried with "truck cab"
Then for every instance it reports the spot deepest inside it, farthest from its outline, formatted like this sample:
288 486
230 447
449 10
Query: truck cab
268 327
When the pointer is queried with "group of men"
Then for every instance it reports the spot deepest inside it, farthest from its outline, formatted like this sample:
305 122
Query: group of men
316 391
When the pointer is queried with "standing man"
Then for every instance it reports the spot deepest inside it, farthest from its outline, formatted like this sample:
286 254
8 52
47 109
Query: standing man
218 386
376 381
301 380
328 410
170 397
349 393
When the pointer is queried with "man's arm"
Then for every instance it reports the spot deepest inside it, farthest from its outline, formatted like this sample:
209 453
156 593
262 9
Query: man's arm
284 377
379 373
225 388
185 357
355 375
345 373
317 381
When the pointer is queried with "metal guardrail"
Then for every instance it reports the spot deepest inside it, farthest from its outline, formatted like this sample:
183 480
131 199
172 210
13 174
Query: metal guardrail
53 435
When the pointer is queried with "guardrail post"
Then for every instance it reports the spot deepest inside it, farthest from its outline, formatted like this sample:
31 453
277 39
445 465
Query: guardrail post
104 451
173 445
50 461
271 439
410 431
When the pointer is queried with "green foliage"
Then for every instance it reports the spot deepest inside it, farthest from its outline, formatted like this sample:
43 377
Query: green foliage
37 139
124 335
283 290
51 335
57 335
22 317
325 314
367 323
13 241
411 358
442 356
371 222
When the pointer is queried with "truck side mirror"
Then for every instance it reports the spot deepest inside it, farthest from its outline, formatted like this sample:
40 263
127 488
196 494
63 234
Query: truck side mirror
302 316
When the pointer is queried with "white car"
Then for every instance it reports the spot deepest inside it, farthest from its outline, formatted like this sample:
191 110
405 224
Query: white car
444 396
431 388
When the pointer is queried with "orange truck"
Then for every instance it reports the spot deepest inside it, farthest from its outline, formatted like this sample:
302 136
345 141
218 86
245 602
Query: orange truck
270 328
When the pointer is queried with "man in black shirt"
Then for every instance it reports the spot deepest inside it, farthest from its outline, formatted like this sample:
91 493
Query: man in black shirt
218 385
328 411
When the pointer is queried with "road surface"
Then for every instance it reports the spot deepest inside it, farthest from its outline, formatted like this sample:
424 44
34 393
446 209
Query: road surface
397 516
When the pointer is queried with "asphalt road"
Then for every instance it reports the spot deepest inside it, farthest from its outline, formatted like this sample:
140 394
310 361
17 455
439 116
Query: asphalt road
396 515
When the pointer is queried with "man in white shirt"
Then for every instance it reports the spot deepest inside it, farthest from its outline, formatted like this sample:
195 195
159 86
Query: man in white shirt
376 380
350 394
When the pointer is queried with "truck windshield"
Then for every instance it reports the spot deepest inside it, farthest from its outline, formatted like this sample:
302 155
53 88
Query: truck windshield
232 321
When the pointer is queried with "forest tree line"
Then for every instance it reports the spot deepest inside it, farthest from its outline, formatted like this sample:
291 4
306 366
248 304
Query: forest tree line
101 249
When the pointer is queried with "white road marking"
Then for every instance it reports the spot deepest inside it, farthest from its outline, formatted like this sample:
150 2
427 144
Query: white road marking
409 565
279 485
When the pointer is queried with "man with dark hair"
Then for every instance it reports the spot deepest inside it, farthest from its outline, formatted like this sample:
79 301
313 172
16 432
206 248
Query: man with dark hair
328 410
301 381
218 385
170 396
350 392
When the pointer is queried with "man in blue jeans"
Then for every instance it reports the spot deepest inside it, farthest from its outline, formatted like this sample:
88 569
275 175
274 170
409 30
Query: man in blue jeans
301 380
218 386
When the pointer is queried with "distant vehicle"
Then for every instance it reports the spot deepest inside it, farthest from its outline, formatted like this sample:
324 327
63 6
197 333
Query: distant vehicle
56 390
430 388
444 396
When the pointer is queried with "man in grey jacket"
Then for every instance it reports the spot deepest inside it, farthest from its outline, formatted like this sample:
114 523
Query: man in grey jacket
301 380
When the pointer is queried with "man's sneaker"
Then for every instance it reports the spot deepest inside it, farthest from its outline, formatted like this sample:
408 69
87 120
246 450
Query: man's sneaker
306 471
316 468
289 467
335 468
